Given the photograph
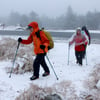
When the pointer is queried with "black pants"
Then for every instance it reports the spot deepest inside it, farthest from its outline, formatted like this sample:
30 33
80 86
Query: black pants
84 52
40 60
79 55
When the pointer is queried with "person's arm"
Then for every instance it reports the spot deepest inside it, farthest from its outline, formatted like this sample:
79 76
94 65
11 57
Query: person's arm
28 41
89 37
71 42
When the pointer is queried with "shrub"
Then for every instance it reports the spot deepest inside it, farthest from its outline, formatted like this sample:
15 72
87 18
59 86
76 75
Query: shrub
91 82
24 59
61 91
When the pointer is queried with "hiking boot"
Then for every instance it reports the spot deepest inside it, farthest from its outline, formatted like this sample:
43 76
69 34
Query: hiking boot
34 78
45 74
80 64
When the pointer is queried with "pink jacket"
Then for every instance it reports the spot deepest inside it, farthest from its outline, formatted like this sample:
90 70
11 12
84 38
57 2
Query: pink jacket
79 40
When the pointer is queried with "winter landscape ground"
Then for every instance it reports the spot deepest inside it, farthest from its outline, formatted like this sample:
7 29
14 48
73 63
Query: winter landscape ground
75 82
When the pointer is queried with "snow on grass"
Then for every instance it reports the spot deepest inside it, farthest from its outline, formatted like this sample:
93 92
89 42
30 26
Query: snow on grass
10 88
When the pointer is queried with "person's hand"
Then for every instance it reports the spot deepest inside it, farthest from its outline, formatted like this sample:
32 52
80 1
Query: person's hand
19 39
42 46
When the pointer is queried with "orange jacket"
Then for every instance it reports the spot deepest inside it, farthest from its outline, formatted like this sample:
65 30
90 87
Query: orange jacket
36 41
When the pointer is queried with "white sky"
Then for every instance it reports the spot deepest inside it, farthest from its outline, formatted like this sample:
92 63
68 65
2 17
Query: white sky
50 8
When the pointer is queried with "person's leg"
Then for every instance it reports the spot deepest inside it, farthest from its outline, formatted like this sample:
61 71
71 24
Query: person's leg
84 52
36 67
80 57
77 56
44 65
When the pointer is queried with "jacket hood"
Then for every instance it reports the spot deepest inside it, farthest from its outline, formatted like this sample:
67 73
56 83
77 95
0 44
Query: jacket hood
34 25
78 29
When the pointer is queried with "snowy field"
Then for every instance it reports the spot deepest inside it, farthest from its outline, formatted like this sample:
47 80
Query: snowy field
10 88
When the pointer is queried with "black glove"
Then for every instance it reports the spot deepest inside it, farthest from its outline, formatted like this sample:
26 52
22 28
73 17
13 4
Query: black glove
42 46
49 47
19 39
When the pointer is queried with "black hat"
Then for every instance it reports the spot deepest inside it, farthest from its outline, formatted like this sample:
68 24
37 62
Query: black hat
29 27
84 28
42 28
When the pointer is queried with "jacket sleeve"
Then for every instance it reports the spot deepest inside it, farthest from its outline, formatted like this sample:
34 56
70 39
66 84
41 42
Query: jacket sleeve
73 40
28 41
44 39
85 40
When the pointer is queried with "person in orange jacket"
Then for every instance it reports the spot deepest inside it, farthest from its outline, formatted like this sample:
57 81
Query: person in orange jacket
41 44
79 40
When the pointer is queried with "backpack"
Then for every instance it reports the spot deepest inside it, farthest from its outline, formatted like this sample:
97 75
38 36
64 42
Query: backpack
49 37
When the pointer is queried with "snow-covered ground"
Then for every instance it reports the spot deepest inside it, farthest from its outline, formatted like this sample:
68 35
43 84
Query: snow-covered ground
10 88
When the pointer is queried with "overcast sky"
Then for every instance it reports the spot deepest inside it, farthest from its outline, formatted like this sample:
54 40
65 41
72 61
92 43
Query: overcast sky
50 8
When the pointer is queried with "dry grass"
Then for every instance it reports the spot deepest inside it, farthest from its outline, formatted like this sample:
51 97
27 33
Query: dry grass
62 90
91 82
24 60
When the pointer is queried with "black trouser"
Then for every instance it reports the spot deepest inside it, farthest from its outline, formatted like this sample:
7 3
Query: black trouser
84 52
39 60
79 55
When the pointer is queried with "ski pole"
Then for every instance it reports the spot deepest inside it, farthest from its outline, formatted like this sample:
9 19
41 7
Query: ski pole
52 67
68 53
14 60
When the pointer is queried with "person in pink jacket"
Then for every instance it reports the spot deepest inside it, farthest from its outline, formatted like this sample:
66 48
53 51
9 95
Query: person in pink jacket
79 39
